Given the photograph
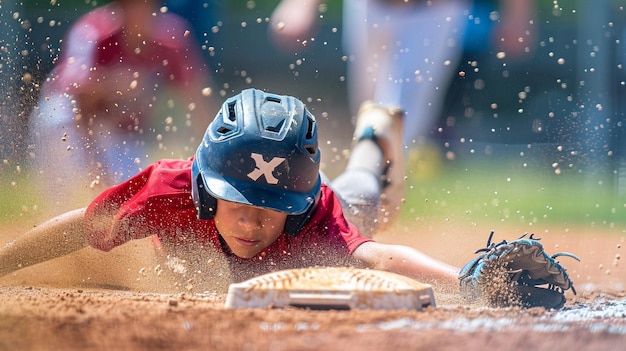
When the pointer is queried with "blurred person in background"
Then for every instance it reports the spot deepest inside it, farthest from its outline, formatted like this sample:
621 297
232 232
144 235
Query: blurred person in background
400 53
405 53
130 86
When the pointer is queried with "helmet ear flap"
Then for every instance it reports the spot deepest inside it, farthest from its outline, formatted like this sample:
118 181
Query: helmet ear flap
206 205
295 223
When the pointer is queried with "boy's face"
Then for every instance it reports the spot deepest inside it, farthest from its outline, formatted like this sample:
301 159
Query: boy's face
247 230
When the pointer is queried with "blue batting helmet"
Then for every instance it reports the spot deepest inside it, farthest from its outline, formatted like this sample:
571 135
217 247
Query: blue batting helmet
260 150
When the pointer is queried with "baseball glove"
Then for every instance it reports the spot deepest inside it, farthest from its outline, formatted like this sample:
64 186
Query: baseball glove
516 273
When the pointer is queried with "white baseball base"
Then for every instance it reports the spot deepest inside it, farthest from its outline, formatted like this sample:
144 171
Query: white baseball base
340 288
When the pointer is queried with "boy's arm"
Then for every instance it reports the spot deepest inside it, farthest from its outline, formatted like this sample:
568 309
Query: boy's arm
408 262
54 238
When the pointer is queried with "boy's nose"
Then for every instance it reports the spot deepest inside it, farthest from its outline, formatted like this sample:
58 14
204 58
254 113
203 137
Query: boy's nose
250 221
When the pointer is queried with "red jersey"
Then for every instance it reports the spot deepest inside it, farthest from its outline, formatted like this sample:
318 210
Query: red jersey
158 201
96 41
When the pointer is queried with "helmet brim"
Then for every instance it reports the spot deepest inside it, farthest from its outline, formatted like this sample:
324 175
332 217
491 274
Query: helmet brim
234 190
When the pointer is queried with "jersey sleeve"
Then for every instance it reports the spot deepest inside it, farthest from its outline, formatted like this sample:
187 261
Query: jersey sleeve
141 206
329 218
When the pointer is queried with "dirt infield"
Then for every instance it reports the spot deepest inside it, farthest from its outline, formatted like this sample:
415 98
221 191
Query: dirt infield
35 318
85 302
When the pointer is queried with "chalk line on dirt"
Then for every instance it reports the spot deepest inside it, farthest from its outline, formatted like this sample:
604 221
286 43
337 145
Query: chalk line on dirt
600 315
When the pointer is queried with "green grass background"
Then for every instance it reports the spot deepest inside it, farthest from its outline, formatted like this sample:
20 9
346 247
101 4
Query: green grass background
511 191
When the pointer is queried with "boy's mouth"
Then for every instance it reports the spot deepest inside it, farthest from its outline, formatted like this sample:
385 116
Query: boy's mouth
246 242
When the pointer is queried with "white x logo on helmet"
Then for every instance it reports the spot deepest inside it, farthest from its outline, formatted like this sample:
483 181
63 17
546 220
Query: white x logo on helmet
265 168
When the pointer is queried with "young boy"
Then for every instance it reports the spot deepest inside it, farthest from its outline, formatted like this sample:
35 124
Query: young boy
254 194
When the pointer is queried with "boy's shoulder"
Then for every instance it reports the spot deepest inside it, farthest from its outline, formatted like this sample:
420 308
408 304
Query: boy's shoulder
163 178
328 209
172 165
328 223
163 185
167 174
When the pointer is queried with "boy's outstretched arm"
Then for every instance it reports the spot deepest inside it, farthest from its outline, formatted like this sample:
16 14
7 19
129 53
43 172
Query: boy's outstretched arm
408 262
54 238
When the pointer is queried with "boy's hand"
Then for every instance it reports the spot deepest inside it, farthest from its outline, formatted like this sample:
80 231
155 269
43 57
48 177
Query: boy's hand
511 273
